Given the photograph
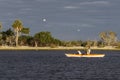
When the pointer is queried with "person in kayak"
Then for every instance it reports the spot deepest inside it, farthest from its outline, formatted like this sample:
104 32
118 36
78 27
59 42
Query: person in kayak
88 50
79 52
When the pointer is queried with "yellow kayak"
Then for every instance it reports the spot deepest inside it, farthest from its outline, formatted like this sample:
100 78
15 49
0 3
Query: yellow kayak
84 55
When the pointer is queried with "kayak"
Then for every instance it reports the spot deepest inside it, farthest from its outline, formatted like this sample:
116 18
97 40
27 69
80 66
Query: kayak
84 55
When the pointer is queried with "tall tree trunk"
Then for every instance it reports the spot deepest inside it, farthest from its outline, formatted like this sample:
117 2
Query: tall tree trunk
36 44
17 35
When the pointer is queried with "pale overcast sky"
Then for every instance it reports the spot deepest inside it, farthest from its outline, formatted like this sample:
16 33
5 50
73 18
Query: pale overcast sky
65 19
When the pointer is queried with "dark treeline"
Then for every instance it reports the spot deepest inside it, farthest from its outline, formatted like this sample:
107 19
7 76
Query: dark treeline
18 35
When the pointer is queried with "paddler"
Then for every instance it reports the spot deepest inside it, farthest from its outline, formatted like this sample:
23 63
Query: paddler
88 50
79 52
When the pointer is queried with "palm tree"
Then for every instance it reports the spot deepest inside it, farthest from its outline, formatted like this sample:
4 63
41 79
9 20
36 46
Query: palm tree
0 32
0 26
17 26
25 30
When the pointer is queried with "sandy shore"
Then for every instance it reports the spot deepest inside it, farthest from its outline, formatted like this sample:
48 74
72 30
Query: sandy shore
56 48
37 48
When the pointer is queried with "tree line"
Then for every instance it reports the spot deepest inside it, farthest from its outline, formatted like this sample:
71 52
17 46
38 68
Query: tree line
18 35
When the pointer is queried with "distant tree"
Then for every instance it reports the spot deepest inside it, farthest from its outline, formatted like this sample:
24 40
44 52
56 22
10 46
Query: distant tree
74 43
112 38
25 30
95 43
84 44
108 38
31 41
56 42
0 33
8 37
43 38
89 43
104 37
4 37
25 40
0 26
17 26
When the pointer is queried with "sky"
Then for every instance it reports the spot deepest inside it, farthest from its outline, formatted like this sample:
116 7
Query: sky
65 19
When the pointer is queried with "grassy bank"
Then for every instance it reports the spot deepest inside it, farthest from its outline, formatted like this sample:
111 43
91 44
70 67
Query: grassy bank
55 48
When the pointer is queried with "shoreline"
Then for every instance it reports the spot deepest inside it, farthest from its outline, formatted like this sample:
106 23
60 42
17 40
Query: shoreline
56 48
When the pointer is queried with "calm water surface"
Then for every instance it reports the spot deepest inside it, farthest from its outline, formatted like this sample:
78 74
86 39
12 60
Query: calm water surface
54 65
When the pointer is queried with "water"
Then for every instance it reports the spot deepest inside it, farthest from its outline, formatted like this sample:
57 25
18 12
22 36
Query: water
54 65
